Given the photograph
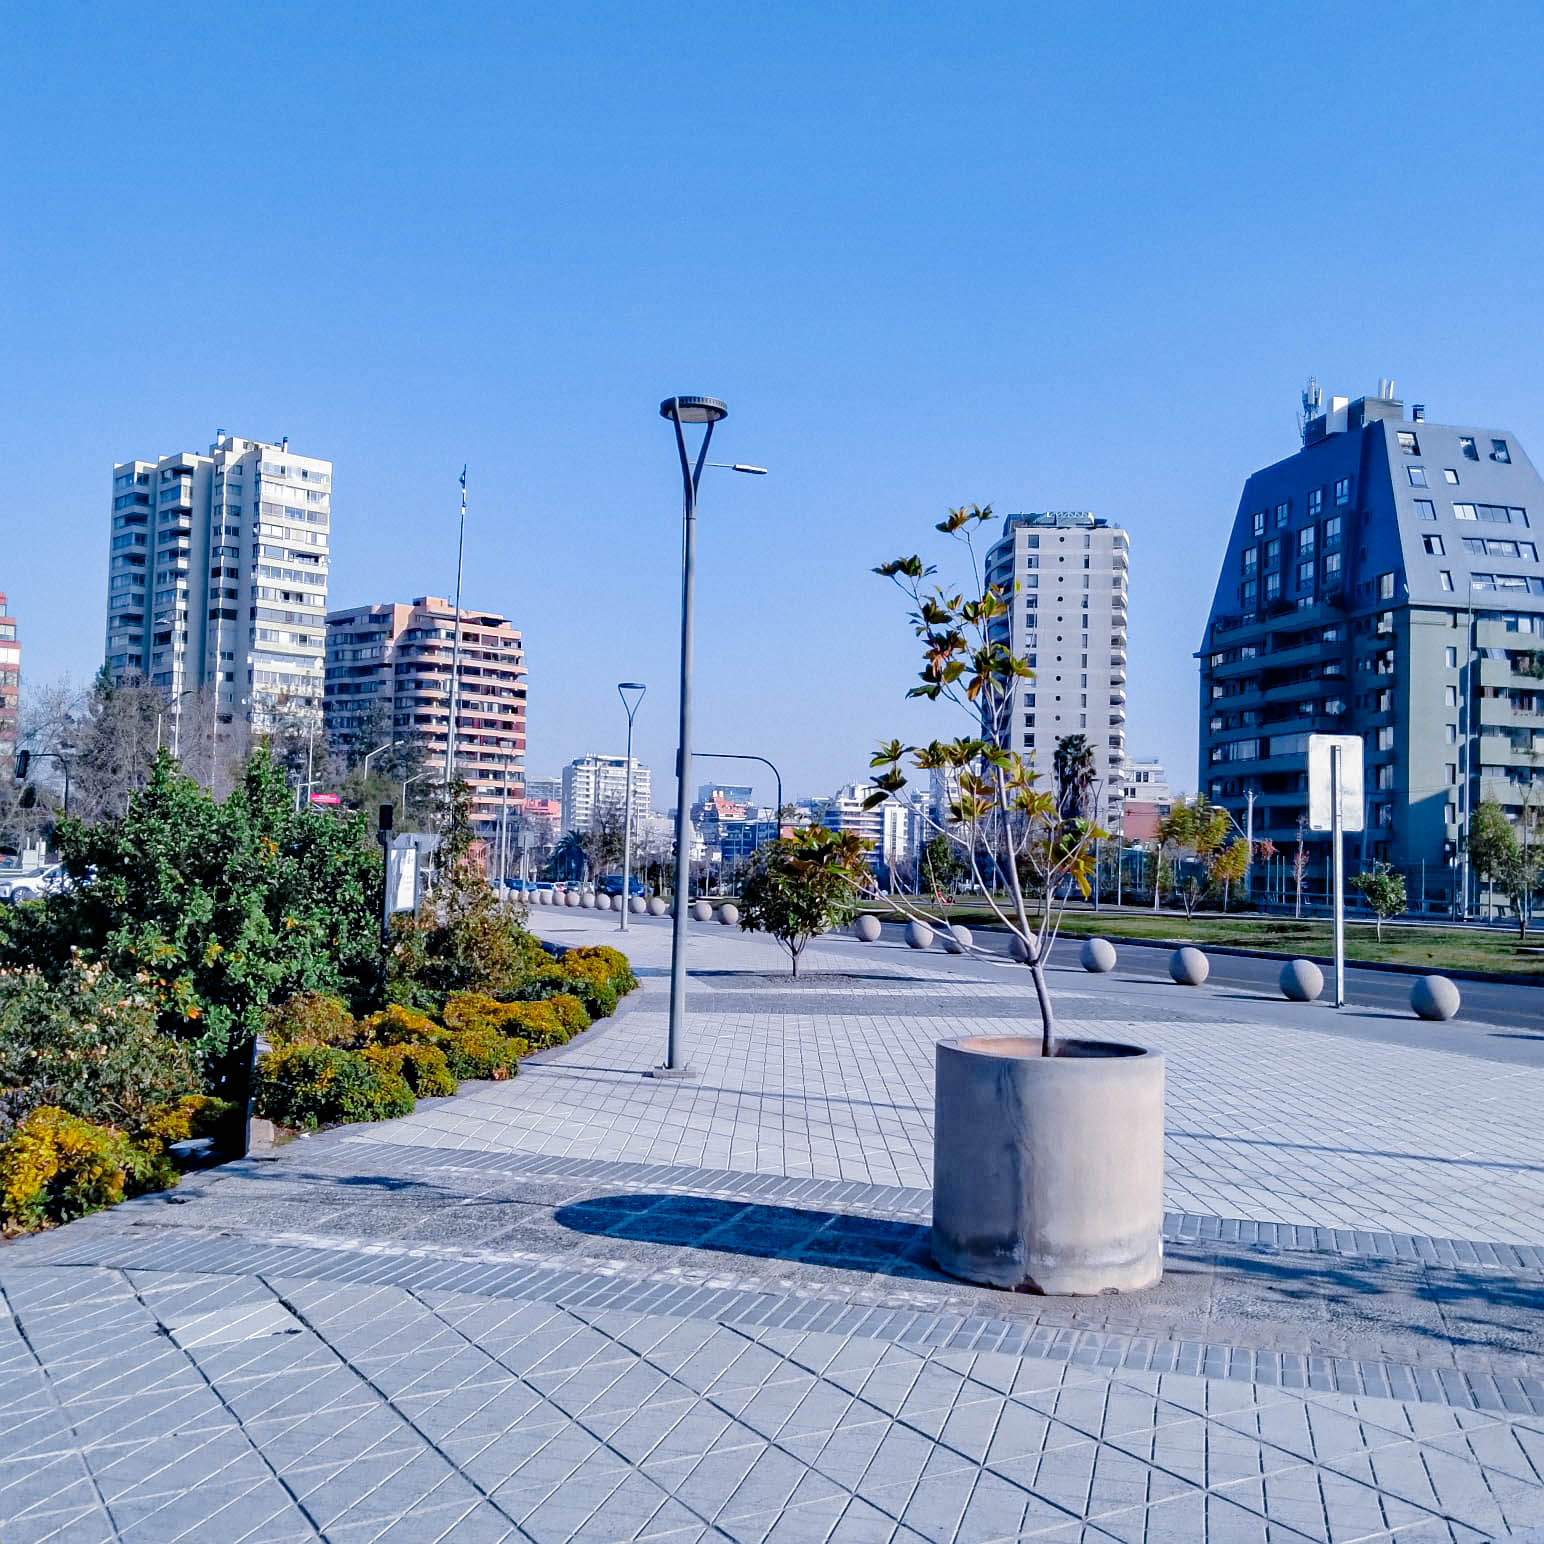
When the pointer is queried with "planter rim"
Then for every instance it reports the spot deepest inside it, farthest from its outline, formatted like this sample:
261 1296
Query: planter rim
1026 1048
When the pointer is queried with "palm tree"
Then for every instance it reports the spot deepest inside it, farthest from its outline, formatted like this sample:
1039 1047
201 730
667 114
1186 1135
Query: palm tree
1072 765
569 857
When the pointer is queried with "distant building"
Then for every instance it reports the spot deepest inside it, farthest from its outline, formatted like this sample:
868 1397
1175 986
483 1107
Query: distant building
10 683
591 783
737 795
1067 573
218 577
389 670
1382 581
845 811
544 788
1148 798
905 832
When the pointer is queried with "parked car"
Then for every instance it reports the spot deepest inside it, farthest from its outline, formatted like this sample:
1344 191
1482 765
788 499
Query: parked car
611 884
28 887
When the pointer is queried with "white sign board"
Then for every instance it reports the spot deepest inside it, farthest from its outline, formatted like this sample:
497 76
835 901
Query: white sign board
1320 800
401 879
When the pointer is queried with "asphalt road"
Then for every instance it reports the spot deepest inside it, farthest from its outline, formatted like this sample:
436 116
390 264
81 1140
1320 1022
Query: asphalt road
1498 1020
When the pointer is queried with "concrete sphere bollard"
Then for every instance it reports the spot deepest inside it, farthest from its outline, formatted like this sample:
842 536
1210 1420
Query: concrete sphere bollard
1018 949
570 897
603 903
729 913
702 910
637 906
587 899
1189 967
1301 981
919 935
1097 955
1434 997
656 906
956 938
866 929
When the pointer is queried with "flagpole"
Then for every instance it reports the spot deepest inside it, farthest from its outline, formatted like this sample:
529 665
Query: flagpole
455 654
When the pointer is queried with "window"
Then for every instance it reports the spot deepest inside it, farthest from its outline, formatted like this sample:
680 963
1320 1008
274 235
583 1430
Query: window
1467 445
1316 501
1408 442
1272 587
1386 776
1273 552
1463 512
1331 566
1445 578
1385 740
1305 541
1452 775
1417 476
1305 575
1451 733
1425 509
1332 529
1385 586
1258 523
1343 490
1282 513
1247 593
1433 546
1499 452
1450 474
1450 697
1450 657
1251 559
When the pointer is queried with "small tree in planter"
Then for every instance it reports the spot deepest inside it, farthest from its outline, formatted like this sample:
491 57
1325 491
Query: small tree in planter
1048 1167
1384 892
800 886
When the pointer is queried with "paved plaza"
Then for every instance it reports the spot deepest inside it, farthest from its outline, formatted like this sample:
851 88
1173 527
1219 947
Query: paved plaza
585 1304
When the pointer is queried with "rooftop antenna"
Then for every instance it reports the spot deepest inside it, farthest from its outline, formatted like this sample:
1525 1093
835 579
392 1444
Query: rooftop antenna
1313 406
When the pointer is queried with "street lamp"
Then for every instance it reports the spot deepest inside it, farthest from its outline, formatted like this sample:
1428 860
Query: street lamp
681 411
376 752
623 688
746 756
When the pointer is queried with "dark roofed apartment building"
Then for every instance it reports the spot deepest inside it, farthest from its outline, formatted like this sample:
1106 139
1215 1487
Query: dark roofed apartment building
1384 581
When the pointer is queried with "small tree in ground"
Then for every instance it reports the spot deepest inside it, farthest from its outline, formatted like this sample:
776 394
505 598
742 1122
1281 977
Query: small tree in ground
1001 823
1195 828
1299 865
940 867
1384 891
1494 850
1226 866
799 886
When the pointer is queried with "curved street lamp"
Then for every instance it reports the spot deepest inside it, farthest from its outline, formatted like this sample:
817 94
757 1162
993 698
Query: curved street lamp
623 689
681 411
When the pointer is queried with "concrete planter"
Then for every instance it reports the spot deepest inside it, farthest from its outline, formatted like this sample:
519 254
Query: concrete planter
702 911
729 913
657 907
1048 1173
1097 955
866 929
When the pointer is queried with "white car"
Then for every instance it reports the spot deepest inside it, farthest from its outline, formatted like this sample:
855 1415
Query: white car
28 887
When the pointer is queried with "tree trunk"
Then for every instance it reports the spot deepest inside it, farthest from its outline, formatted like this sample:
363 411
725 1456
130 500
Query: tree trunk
1047 1014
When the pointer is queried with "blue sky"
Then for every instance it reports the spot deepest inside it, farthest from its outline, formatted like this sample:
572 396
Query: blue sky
1043 257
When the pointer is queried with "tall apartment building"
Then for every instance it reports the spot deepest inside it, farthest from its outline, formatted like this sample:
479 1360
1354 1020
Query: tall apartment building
389 670
1068 573
591 783
846 810
10 684
1384 581
218 577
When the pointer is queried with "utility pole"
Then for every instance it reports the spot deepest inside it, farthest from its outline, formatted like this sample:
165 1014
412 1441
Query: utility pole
455 653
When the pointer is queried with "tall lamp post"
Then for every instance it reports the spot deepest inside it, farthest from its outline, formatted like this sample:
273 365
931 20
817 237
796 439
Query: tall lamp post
743 756
623 689
455 654
681 411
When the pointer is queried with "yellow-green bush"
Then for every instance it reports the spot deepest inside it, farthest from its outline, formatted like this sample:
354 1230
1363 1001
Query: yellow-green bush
310 1018
570 1012
319 1085
194 1115
537 1023
399 1025
55 1166
619 973
422 1067
481 1052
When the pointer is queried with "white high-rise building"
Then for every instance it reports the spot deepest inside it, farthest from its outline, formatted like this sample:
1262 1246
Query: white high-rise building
1067 574
590 783
218 577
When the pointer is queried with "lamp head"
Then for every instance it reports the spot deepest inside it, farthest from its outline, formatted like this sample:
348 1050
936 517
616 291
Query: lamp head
693 410
625 689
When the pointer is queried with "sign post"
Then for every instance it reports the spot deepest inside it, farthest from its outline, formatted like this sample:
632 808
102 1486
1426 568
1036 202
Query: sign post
1335 805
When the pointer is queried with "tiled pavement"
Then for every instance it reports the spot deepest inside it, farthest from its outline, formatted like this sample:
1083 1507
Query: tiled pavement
589 1306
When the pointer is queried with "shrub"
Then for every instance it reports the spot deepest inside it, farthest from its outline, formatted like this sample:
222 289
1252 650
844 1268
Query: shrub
55 1166
481 1053
570 1012
619 972
422 1067
88 1043
318 1085
400 1025
537 1023
310 1018
194 1115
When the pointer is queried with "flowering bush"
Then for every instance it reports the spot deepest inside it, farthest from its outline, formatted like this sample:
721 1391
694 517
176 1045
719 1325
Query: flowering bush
399 1025
482 1052
55 1166
422 1067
